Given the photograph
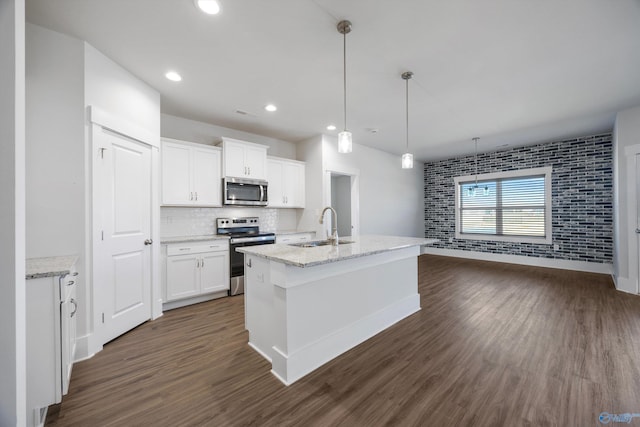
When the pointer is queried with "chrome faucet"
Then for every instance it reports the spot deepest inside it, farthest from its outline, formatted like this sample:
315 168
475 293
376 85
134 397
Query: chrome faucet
334 221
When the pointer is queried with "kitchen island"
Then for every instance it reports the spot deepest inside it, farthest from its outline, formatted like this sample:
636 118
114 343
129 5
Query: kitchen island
304 306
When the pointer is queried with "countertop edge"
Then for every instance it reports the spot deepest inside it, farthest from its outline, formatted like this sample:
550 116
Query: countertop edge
37 268
332 260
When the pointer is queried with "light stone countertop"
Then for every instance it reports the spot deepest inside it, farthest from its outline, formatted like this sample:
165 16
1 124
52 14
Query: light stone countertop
49 266
308 257
184 239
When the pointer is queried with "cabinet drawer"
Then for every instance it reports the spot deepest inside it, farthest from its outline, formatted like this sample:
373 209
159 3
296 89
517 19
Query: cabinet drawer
197 248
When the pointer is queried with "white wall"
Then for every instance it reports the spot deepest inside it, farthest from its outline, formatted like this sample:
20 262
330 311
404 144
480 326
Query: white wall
118 92
205 133
391 198
12 215
55 185
626 141
310 151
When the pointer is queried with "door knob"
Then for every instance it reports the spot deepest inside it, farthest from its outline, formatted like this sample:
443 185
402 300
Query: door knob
637 230
148 241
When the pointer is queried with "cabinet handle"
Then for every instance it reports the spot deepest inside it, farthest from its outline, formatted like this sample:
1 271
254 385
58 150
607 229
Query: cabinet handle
249 170
202 262
148 242
185 249
191 195
249 263
197 263
75 307
196 195
71 282
75 273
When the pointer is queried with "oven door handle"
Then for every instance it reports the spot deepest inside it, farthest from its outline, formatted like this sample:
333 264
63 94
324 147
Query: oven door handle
251 239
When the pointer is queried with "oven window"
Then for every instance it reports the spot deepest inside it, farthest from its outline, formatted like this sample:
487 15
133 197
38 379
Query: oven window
243 192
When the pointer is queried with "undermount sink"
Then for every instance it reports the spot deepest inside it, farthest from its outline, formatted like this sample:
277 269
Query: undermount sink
315 243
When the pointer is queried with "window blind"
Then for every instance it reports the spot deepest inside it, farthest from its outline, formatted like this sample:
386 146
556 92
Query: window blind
503 207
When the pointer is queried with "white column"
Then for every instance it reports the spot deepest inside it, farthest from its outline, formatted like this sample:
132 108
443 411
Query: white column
12 214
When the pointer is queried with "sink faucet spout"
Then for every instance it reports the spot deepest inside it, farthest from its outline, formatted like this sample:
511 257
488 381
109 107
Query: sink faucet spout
334 222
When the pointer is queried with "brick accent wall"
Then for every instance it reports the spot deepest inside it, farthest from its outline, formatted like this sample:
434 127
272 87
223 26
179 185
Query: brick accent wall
582 198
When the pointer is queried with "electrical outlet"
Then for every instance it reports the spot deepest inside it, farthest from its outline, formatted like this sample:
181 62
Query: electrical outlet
556 247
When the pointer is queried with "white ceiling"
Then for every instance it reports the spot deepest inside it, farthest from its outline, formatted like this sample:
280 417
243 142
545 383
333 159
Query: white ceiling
510 72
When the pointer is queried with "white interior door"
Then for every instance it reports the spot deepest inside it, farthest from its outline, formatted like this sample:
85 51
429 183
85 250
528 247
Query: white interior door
125 285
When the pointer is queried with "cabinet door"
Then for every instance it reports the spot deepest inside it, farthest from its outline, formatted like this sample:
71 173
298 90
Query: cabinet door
255 160
275 191
183 278
293 181
234 160
207 181
176 174
214 271
68 312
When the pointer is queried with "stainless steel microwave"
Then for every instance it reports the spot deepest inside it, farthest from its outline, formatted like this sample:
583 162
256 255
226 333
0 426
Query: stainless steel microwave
244 192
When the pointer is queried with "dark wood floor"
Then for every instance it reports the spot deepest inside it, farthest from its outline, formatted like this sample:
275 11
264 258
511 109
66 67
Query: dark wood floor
494 344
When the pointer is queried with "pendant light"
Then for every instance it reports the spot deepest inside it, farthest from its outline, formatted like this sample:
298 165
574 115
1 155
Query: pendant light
472 191
345 141
407 158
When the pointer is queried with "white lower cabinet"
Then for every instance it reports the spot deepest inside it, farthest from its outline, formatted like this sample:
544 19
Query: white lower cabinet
51 307
295 237
193 270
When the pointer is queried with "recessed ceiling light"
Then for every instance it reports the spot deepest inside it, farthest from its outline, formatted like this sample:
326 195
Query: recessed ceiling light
210 7
270 108
173 76
331 127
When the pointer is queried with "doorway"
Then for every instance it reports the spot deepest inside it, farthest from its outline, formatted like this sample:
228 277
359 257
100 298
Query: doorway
342 192
122 211
341 202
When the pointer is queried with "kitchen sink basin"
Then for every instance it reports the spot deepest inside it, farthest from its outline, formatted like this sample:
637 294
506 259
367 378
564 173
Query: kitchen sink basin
315 243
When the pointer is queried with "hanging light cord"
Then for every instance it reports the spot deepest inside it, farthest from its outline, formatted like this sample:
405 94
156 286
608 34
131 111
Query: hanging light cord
344 61
407 110
476 159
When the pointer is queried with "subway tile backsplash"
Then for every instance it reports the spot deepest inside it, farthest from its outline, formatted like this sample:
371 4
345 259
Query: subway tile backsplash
582 198
186 221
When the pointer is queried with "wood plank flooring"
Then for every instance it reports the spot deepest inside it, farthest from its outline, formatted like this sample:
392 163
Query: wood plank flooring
494 345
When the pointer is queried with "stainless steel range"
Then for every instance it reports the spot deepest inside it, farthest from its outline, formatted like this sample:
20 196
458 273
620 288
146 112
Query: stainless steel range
242 232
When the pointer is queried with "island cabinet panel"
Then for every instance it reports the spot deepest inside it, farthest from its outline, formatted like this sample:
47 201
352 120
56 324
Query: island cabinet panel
191 174
299 318
244 159
286 183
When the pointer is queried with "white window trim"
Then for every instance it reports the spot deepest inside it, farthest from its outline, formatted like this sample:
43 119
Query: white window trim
546 171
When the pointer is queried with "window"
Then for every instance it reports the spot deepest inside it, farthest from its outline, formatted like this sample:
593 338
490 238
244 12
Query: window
506 206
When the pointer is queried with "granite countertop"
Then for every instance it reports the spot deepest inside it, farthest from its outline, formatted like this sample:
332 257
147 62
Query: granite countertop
201 238
309 257
49 266
282 232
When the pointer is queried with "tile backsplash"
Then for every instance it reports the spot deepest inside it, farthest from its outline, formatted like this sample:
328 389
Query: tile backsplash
185 221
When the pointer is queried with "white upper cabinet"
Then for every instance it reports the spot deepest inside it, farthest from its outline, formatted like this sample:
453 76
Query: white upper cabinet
190 174
244 159
286 183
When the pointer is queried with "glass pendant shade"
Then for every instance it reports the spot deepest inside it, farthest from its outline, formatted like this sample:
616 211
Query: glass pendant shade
345 144
407 161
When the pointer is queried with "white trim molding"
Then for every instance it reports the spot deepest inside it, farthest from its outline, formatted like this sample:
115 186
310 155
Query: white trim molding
589 267
546 171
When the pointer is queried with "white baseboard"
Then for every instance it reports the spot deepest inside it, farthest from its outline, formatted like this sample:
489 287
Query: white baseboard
589 267
82 348
625 284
